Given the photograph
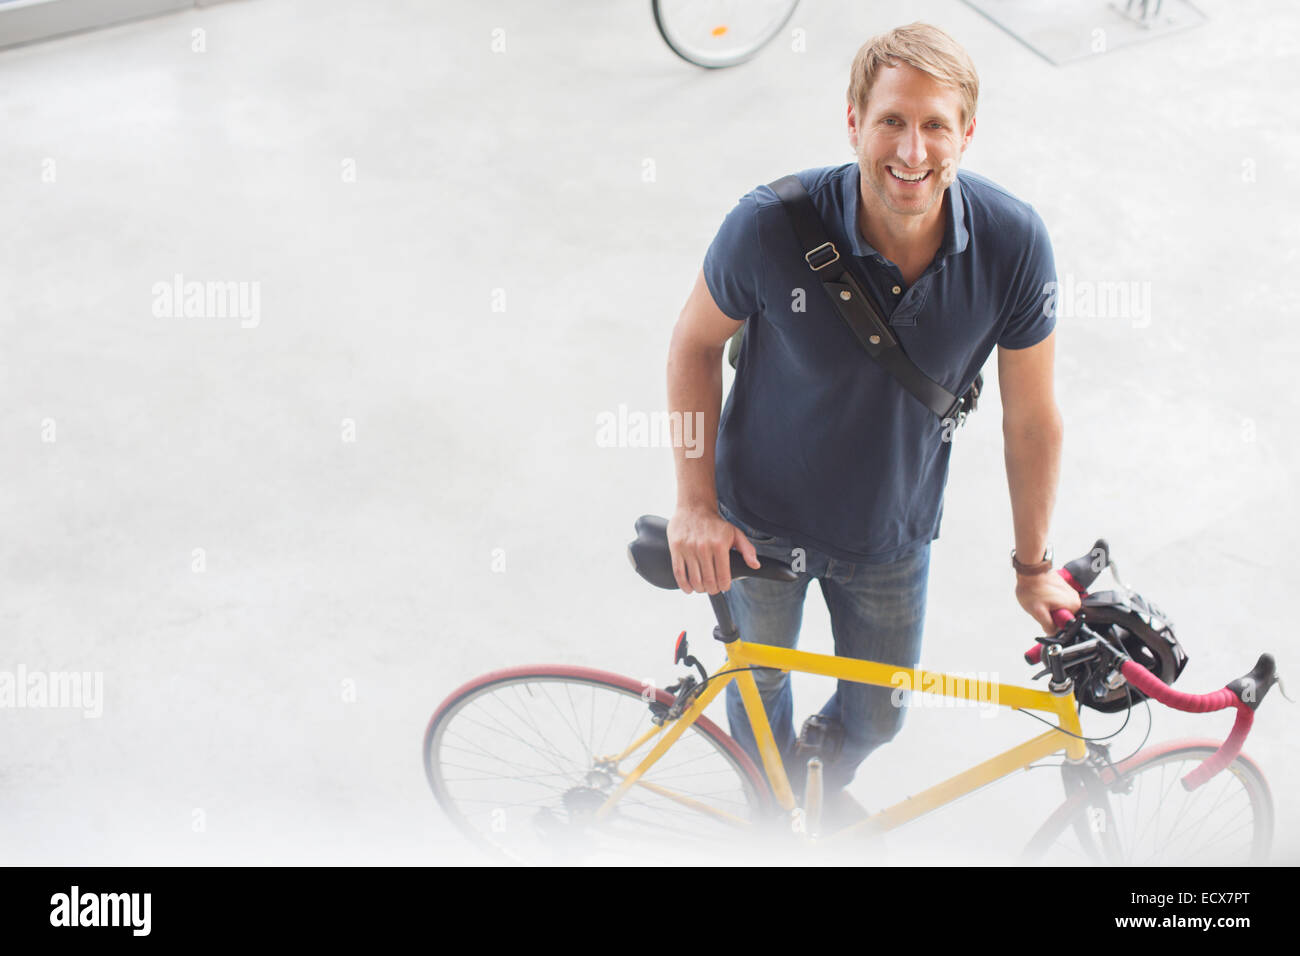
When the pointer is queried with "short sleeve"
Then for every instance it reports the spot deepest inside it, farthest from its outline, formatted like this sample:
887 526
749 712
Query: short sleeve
1034 301
732 263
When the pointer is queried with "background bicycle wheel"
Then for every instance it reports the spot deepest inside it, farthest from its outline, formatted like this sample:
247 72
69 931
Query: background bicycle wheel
283 538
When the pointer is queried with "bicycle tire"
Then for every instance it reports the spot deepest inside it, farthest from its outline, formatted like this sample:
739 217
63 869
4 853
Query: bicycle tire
527 797
1158 822
690 44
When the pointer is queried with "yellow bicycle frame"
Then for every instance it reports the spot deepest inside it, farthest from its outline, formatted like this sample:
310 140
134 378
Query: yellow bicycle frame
742 655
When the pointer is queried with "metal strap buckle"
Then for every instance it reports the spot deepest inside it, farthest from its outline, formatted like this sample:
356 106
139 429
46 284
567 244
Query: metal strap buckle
820 253
957 413
965 404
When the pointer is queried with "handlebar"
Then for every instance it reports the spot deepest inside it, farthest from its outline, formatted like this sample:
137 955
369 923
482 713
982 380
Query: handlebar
1244 694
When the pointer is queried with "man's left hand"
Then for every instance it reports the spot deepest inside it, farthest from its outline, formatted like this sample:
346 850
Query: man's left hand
1041 594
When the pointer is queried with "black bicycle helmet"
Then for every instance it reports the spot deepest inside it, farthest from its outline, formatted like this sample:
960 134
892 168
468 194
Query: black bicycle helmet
1128 621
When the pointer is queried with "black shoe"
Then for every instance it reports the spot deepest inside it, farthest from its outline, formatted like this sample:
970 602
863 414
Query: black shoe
820 737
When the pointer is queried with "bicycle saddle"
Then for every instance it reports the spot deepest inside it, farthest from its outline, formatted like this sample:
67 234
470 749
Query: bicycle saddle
652 560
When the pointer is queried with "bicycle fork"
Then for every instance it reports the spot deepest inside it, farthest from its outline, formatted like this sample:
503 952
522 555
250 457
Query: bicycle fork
1096 827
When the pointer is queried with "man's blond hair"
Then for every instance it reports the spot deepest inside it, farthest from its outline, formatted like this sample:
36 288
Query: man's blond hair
925 47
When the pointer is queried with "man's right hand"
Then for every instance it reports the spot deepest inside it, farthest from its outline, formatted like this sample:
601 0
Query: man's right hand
701 541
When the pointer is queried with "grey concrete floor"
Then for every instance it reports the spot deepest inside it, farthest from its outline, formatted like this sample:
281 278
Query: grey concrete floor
389 182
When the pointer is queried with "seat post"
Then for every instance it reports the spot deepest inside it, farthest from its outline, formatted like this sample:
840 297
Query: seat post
726 631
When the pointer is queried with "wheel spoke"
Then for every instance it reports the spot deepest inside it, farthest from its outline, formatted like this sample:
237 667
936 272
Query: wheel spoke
1156 821
513 763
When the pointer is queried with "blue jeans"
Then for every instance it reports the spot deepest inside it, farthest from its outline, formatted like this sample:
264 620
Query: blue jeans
877 613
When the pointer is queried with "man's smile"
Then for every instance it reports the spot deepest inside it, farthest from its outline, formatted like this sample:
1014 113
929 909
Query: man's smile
906 177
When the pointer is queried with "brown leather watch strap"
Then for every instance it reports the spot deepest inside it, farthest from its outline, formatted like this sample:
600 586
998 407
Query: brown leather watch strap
1042 567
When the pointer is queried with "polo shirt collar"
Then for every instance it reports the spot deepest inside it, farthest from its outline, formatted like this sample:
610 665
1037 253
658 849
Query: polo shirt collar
955 236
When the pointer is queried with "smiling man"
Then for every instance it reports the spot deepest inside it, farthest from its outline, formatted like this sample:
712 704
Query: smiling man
821 456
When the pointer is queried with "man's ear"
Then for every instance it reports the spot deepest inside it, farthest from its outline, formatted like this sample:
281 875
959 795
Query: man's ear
853 127
970 132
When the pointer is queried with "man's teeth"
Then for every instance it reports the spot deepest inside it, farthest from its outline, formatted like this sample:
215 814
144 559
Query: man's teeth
908 179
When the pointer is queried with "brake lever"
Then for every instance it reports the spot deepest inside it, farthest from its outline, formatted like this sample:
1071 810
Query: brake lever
1281 689
1114 573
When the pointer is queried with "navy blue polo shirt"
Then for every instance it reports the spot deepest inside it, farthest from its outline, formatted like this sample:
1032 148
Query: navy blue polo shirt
817 441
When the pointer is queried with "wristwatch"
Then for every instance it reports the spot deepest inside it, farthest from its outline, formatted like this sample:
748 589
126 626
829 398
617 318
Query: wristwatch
1042 567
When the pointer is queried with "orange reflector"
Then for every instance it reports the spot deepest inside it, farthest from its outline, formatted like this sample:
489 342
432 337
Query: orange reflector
718 31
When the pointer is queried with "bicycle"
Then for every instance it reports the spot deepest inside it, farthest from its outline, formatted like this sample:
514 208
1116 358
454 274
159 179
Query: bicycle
719 33
631 768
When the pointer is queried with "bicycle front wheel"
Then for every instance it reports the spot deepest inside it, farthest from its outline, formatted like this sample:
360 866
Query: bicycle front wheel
720 33
1144 817
521 759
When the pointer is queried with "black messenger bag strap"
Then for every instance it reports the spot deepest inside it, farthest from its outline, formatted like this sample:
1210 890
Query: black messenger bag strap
858 311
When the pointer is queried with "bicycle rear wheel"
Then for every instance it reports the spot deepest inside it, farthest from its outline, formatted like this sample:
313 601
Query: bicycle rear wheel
521 759
1144 816
720 33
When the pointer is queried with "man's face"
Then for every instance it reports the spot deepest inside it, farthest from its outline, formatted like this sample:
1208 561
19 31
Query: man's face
909 139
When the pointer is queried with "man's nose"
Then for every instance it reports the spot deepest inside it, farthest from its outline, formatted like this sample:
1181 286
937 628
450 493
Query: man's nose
912 149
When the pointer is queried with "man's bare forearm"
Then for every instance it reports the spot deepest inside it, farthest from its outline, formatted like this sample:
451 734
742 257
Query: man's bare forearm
695 386
1033 457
